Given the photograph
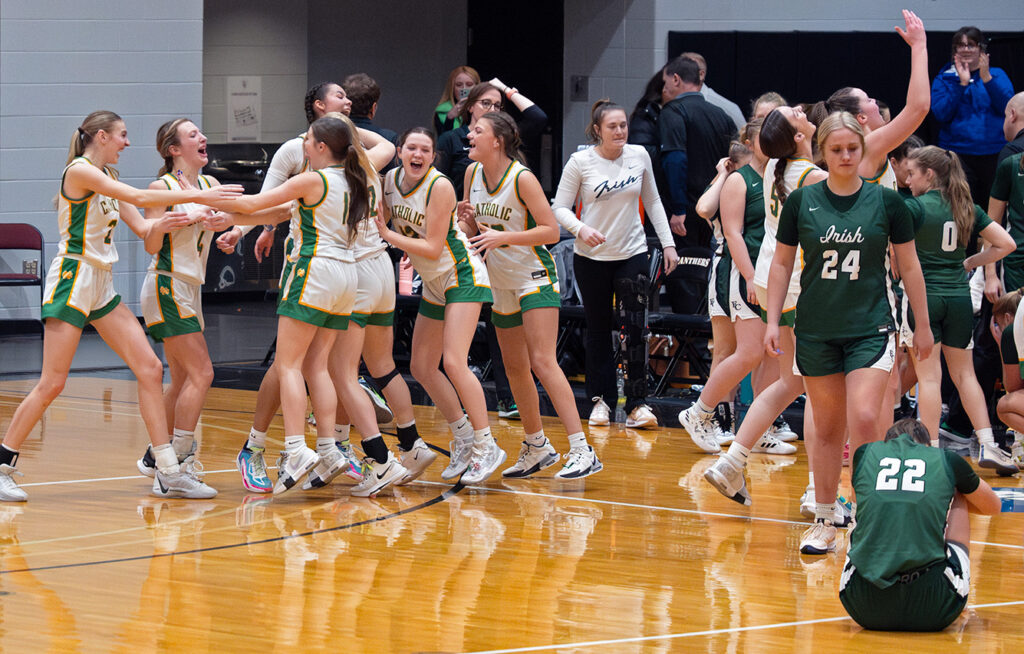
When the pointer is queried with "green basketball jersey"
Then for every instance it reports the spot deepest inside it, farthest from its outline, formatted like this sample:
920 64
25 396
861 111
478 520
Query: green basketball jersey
938 243
1008 186
844 287
903 494
753 214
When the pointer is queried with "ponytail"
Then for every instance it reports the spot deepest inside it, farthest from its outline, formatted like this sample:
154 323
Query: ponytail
358 184
778 141
338 133
505 128
166 137
951 182
86 132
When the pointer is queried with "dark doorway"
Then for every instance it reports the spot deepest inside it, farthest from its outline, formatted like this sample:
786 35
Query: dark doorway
521 44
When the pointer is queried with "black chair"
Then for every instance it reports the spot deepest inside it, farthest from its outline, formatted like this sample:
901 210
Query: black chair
22 236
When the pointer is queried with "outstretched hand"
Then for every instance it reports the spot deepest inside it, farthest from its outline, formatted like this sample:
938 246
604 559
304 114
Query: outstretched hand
914 33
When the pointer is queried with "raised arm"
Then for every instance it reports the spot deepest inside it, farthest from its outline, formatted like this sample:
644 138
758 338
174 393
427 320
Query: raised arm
379 150
884 139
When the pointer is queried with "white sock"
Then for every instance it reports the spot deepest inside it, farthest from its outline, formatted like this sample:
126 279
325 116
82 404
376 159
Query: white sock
810 479
738 453
295 442
256 439
578 440
182 441
482 436
536 439
703 408
166 459
985 436
325 444
407 424
935 442
461 428
825 511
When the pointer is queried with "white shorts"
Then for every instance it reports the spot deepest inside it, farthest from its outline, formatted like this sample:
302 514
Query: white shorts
78 292
320 291
171 307
788 306
738 307
375 295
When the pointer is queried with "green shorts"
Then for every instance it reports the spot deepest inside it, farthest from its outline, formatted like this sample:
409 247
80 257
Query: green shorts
466 282
844 355
951 319
924 600
788 316
509 305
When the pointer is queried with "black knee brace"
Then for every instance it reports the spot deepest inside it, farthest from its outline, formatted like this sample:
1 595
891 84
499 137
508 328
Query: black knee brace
631 313
384 379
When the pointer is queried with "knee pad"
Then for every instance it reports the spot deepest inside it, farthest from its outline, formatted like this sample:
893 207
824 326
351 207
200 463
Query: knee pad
384 379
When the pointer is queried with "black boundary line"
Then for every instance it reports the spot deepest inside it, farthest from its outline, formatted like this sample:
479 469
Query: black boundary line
436 500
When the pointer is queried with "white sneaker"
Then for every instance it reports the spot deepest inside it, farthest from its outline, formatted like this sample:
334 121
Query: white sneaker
331 464
293 466
532 459
727 478
844 512
147 464
378 476
1017 450
701 428
580 462
807 502
768 444
9 490
994 457
781 430
415 461
641 418
600 415
483 461
183 484
459 459
819 538
724 437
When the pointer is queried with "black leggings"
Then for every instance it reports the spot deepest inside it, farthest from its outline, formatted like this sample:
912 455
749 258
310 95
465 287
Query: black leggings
596 281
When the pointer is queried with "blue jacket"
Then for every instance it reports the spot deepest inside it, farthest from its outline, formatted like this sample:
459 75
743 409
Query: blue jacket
971 117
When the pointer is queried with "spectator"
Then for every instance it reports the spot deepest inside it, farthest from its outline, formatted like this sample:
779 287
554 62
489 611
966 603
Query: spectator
968 100
453 98
695 135
364 93
643 122
453 146
1013 128
725 104
764 103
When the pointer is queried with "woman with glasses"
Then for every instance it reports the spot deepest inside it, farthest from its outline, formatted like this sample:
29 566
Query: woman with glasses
453 146
968 99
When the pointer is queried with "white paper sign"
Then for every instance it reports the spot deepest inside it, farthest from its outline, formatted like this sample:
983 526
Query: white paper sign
244 108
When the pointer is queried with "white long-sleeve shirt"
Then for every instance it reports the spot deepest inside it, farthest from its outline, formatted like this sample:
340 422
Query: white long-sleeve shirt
610 191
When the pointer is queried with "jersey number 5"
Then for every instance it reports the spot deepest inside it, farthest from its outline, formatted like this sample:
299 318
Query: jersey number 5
889 476
851 264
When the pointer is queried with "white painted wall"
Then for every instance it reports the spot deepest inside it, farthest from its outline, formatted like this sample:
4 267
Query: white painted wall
256 37
619 44
62 59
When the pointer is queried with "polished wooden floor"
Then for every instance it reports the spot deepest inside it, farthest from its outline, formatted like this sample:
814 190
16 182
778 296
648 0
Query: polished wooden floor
644 557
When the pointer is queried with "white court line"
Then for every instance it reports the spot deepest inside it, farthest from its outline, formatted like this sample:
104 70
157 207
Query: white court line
664 508
708 632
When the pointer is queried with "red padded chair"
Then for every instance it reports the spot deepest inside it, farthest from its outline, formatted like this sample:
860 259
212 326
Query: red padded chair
22 236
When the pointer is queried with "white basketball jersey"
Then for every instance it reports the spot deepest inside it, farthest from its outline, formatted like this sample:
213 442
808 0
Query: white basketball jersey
87 224
796 174
509 266
183 252
408 217
320 229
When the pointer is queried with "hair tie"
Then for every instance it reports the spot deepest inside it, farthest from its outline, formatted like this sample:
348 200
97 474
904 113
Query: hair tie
81 133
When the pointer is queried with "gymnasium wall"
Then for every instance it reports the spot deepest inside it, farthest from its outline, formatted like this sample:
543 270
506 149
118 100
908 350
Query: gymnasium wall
60 60
407 46
619 44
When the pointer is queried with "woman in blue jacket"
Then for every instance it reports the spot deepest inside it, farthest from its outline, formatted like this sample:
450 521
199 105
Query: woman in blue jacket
968 99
